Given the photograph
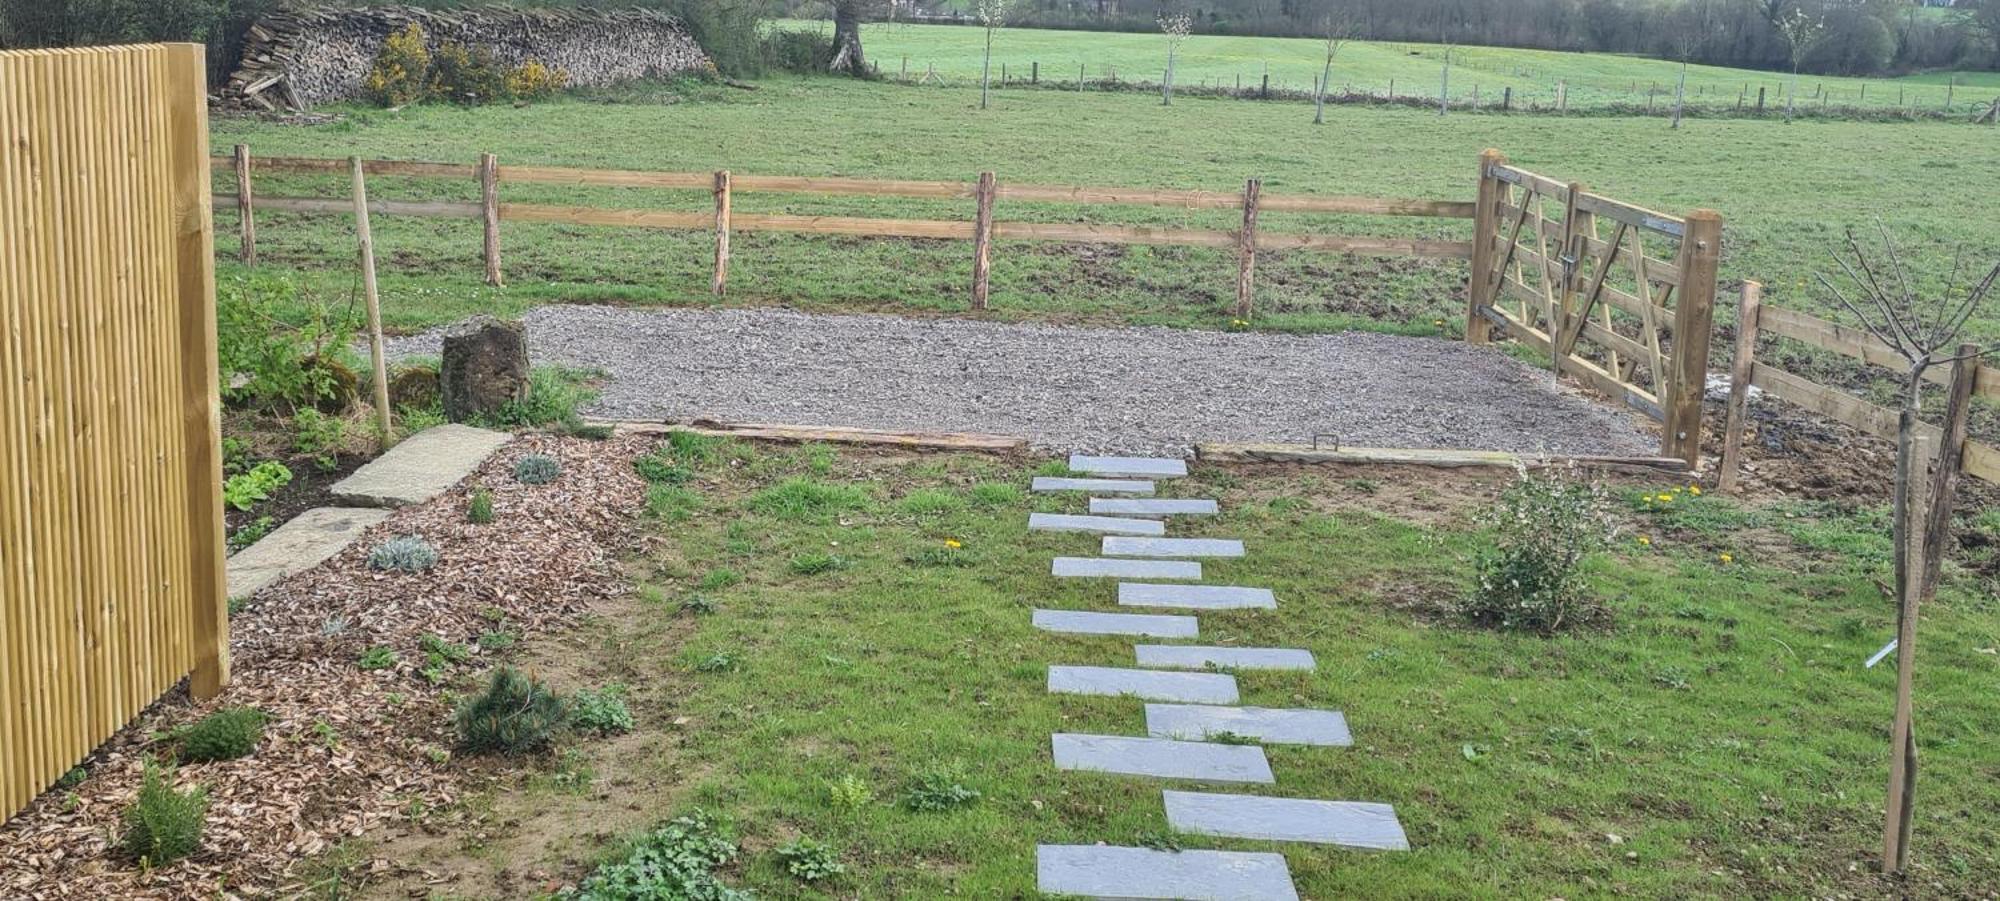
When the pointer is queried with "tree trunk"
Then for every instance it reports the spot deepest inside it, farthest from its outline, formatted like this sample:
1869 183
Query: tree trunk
847 57
985 68
1444 85
1908 555
1319 97
1680 93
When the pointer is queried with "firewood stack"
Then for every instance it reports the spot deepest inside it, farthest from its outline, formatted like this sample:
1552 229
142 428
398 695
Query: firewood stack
295 58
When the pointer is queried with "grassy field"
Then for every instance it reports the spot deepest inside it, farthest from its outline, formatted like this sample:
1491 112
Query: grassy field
806 626
1594 79
1786 192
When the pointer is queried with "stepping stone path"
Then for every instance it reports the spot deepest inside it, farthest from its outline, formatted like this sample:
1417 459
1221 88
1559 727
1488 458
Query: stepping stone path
1177 743
424 466
1065 522
300 544
1084 622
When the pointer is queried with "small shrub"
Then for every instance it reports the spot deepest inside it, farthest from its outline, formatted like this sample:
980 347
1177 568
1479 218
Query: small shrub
671 502
816 563
273 357
804 51
806 499
479 511
1544 526
810 860
226 734
850 794
376 658
533 81
401 74
516 714
164 825
536 469
467 75
940 787
319 436
245 491
601 710
677 860
405 553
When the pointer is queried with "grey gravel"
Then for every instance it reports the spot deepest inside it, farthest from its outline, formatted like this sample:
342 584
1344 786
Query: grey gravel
1143 391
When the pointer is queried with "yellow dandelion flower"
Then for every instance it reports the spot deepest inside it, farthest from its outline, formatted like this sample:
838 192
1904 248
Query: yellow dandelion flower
952 543
1694 490
1644 540
1666 498
1726 558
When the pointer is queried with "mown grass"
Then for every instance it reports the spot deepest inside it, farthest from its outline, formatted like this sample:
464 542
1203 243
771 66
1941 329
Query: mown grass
1594 79
1720 726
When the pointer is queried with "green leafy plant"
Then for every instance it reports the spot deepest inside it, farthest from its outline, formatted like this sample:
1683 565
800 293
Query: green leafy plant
226 734
554 398
677 860
661 469
536 469
601 710
376 658
498 640
251 532
816 563
698 604
940 787
438 651
1543 528
319 436
479 511
404 553
515 714
468 76
235 455
716 663
849 794
246 490
810 860
163 825
280 348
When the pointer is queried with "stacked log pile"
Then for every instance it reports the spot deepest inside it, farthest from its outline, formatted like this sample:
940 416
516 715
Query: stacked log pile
295 58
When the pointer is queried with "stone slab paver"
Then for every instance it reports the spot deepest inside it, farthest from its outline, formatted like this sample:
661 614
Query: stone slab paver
1161 758
1352 824
1115 525
1128 467
424 466
1274 725
1191 657
1111 872
1085 622
298 545
1195 597
1096 486
1103 568
1152 506
1133 546
1150 685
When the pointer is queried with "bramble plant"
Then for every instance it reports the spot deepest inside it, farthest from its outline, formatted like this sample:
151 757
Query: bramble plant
273 357
1543 527
163 825
319 436
405 553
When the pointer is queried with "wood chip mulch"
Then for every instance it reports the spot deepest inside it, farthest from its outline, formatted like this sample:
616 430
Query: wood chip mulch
345 748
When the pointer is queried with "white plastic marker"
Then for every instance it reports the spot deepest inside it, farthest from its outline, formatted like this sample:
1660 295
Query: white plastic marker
1881 654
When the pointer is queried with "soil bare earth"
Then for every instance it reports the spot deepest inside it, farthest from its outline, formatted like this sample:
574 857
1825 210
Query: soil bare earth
1108 390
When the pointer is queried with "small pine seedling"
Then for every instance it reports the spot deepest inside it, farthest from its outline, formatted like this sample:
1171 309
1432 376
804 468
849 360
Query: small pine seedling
226 734
479 511
163 825
516 714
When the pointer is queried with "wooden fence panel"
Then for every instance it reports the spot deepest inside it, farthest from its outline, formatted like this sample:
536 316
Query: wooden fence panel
110 471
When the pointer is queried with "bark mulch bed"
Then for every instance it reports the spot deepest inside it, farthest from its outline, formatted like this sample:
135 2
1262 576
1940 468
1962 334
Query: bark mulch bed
345 748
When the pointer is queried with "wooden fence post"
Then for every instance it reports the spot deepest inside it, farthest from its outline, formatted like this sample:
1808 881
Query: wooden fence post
1748 316
1507 99
982 239
366 239
200 389
1701 250
1577 228
489 203
721 231
246 216
1035 72
1246 248
1485 229
1950 459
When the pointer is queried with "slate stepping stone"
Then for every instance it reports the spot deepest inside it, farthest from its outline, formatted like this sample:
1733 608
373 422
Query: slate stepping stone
1102 568
1095 486
1352 824
1130 546
1150 685
1128 467
1161 758
1105 871
1064 522
1190 657
300 544
1195 597
1151 506
421 467
1272 725
1084 622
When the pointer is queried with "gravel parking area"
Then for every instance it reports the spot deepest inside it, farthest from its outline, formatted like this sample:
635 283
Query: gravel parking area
1123 390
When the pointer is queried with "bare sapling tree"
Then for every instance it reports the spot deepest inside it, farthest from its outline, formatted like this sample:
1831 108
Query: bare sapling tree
992 17
1689 30
1176 27
1877 288
1444 82
1336 28
1800 31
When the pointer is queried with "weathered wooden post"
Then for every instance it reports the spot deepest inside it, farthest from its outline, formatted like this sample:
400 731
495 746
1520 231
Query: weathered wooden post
1749 314
1485 229
1035 72
246 216
1246 248
1950 460
379 364
1701 250
982 240
489 211
1507 99
721 232
1760 100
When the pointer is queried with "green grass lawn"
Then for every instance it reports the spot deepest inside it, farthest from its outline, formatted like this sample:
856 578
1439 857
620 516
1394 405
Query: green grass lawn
1786 192
1594 79
806 625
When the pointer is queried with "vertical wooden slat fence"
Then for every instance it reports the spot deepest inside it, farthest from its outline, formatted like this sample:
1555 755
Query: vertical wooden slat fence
111 566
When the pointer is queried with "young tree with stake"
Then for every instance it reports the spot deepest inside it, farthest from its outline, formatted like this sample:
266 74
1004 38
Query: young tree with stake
1336 28
1176 29
992 15
1800 32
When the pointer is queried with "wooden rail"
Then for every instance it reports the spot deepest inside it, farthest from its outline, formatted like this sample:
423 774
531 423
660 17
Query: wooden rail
1977 459
981 229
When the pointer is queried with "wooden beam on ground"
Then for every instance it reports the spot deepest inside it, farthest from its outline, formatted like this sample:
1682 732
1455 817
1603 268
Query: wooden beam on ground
829 434
1303 453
